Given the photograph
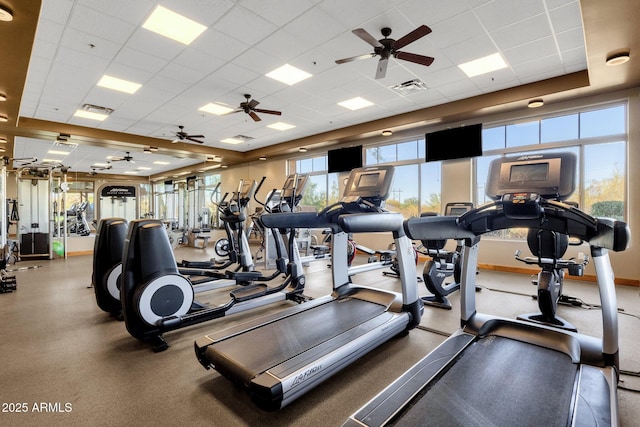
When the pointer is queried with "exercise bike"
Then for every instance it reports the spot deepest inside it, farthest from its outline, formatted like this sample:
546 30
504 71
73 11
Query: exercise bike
548 247
443 263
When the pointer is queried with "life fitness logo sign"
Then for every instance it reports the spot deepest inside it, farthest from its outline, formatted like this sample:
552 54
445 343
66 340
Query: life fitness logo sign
118 191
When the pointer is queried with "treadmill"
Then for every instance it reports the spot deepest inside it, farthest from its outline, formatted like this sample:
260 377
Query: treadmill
504 372
279 357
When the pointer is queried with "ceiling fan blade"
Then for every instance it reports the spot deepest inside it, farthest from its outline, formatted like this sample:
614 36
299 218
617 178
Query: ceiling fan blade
364 35
414 35
254 116
382 68
194 136
355 58
252 104
195 140
277 113
412 57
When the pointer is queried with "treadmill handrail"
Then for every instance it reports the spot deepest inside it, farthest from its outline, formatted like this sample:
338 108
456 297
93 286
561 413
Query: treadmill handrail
371 222
556 216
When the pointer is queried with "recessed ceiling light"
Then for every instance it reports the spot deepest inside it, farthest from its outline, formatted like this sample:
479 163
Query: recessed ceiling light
262 158
483 65
535 103
280 126
3 140
232 140
4 119
2 149
3 97
153 148
387 133
618 58
173 25
60 153
144 168
288 74
120 85
101 165
6 14
216 109
90 115
355 103
131 172
302 149
160 162
147 151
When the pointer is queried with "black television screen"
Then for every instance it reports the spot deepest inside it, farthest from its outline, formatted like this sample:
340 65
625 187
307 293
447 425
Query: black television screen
458 143
344 159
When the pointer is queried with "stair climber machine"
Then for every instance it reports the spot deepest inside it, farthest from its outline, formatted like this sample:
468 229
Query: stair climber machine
501 371
279 357
157 297
443 263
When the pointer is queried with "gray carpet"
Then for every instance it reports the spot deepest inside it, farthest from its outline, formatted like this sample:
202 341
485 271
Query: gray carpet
67 363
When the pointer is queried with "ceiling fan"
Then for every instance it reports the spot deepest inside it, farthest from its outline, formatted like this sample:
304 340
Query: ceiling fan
181 135
100 167
127 158
386 47
249 107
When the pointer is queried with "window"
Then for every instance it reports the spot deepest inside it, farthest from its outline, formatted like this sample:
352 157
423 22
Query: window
416 186
598 137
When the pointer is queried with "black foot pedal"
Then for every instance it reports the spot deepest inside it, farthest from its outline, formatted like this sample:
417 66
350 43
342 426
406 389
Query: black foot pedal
249 292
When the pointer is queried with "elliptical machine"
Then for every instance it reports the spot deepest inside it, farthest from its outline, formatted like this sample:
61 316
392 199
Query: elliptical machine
548 247
107 264
443 264
157 298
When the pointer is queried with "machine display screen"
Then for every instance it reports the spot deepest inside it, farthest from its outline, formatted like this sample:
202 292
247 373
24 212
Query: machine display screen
368 180
529 172
458 211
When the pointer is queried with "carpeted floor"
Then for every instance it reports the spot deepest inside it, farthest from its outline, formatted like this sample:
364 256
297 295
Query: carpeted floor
64 362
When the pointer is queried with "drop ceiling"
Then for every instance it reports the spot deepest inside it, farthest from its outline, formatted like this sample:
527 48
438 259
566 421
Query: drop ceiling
79 41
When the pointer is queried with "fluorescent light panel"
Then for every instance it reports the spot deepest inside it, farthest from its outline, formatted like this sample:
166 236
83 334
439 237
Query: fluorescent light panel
280 126
355 103
120 85
288 74
232 141
173 25
89 115
51 161
483 65
61 153
214 108
159 162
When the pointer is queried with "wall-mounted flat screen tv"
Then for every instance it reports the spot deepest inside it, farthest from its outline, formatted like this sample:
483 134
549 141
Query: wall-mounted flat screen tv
458 143
344 159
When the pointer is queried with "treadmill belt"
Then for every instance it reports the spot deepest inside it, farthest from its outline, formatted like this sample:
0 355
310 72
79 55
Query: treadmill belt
257 350
499 382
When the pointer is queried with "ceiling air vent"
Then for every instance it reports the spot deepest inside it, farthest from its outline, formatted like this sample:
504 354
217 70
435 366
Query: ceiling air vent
97 109
409 87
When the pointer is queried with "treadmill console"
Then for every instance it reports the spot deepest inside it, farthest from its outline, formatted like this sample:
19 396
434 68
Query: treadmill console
549 175
371 185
